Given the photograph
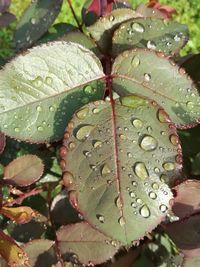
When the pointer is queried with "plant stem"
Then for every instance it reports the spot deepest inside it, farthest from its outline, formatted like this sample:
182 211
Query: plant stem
74 15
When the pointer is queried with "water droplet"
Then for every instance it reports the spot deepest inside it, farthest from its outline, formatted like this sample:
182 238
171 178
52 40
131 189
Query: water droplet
169 166
137 27
148 143
135 62
40 128
51 108
38 82
141 170
84 132
155 186
145 211
122 136
93 167
67 179
134 183
71 145
174 139
49 80
100 218
33 21
105 170
39 108
147 77
87 154
163 116
97 144
16 129
96 110
137 123
89 90
190 105
82 113
132 194
111 18
129 155
134 205
156 170
121 221
20 255
152 195
151 45
177 38
163 208
118 202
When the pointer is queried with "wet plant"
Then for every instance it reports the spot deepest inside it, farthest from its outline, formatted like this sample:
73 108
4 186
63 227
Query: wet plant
113 102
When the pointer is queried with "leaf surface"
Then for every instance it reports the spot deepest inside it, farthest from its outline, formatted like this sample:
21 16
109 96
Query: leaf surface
24 170
2 142
153 33
133 73
90 245
103 29
35 21
123 156
41 89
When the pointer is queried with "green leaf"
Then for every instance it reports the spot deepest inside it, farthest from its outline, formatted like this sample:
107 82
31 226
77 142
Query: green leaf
186 201
163 82
24 170
153 33
90 245
41 89
123 156
191 262
35 21
103 29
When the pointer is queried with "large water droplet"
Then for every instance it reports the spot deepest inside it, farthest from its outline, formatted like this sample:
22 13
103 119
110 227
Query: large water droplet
137 27
67 179
82 113
89 90
135 62
152 195
137 123
84 132
105 170
141 170
148 143
145 211
169 166
121 221
100 218
163 116
151 45
163 208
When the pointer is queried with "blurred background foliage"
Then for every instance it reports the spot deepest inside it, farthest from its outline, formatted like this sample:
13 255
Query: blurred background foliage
188 12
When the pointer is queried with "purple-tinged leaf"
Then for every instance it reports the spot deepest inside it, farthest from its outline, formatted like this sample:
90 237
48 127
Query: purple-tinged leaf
147 12
11 252
187 200
4 5
24 170
167 11
2 142
6 18
90 245
123 167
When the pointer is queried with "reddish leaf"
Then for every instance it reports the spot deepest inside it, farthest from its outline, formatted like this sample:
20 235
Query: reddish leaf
11 252
24 170
167 11
4 5
20 214
6 18
2 142
187 201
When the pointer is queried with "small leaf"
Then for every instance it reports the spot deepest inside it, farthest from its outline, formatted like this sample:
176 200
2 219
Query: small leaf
24 170
152 33
2 142
19 214
103 29
187 201
124 158
42 88
147 12
90 245
11 252
35 21
167 11
133 73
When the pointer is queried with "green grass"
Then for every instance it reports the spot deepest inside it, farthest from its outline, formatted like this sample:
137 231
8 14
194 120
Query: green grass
187 13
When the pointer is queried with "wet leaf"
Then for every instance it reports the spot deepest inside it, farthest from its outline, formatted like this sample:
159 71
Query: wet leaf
187 200
21 214
35 21
133 73
43 88
152 33
90 245
147 12
167 11
24 170
11 252
2 142
4 5
191 262
6 18
103 29
125 157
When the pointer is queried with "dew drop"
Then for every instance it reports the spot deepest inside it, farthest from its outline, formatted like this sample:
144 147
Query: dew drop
49 80
141 170
121 221
16 129
177 38
97 144
89 90
105 170
38 82
148 143
139 200
84 132
151 45
118 203
190 105
100 218
129 155
152 195
96 110
40 128
147 77
169 166
156 170
135 62
134 205
163 208
145 211
33 21
122 137
71 145
174 139
137 27
163 116
87 154
137 123
111 18
132 194
82 113
155 186
39 108
51 108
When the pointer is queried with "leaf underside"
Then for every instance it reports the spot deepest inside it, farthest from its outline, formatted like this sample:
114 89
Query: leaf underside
41 89
165 83
153 33
124 161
